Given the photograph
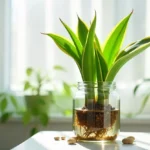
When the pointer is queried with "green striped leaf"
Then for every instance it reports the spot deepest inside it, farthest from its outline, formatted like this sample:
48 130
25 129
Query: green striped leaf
102 68
97 44
133 46
82 31
120 62
67 47
88 57
98 67
82 34
122 52
99 72
74 38
114 41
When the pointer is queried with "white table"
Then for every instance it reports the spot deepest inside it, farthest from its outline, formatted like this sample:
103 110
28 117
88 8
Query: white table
45 141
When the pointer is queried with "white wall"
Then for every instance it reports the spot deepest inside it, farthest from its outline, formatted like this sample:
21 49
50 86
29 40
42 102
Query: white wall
5 20
2 6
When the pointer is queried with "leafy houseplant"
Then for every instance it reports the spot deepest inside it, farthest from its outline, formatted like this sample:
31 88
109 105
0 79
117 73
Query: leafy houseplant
142 92
39 96
6 99
98 65
145 95
37 103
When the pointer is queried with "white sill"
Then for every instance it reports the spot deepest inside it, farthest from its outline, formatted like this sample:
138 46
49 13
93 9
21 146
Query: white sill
124 121
135 121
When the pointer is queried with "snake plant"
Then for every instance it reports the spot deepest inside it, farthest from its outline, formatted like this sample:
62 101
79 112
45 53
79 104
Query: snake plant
97 61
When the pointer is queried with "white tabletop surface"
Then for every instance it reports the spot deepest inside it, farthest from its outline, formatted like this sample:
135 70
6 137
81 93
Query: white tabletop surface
45 141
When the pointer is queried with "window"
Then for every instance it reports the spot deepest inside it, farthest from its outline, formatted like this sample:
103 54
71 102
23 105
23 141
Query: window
28 47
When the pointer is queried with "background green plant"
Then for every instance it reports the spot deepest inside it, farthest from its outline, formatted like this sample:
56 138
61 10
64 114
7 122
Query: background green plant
37 79
35 85
7 99
10 106
145 97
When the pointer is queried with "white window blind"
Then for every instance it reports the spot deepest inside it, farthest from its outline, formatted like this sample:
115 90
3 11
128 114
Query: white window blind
28 47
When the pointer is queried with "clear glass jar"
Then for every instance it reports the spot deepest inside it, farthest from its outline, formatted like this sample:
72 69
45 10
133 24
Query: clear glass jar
96 111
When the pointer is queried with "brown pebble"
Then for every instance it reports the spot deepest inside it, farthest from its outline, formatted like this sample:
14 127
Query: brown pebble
63 138
72 141
127 141
57 138
132 137
74 137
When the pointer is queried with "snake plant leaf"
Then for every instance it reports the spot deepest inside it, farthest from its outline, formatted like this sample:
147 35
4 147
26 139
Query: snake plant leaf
98 66
82 31
74 38
114 41
67 47
122 52
120 62
101 66
133 46
88 57
82 34
99 72
97 44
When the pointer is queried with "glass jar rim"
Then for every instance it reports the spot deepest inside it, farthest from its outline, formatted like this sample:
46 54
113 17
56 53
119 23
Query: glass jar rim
105 84
98 82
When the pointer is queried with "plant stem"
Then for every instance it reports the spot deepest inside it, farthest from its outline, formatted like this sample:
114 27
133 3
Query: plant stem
102 94
90 97
39 88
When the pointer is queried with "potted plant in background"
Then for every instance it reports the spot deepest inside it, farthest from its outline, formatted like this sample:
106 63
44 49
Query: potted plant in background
7 99
145 93
96 111
141 92
39 96
38 99
37 102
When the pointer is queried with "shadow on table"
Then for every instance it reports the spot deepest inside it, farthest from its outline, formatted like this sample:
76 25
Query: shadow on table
108 146
100 145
